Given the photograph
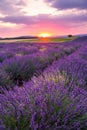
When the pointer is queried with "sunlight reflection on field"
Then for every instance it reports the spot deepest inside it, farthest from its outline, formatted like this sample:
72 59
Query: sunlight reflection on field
45 39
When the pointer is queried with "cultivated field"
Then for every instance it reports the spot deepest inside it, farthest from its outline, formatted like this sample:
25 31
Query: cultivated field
38 40
43 86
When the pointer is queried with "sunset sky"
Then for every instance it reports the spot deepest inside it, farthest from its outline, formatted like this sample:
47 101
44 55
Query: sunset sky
32 17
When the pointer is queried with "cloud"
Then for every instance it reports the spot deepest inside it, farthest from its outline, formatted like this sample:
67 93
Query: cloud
33 25
9 7
71 14
18 19
62 19
68 4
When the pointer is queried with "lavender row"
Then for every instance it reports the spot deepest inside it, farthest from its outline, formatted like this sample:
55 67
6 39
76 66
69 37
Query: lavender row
20 68
43 104
55 100
20 49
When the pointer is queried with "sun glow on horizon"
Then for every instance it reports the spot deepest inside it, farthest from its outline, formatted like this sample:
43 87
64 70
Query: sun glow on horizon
44 34
45 37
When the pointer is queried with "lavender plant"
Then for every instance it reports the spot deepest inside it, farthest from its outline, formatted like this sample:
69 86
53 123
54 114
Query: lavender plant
45 106
54 100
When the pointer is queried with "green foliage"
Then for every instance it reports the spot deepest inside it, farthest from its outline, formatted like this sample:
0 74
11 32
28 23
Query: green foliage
13 123
9 122
18 71
4 79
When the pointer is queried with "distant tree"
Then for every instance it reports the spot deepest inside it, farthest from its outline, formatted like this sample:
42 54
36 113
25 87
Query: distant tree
69 35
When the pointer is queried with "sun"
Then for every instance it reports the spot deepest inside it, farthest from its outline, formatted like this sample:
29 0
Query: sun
44 35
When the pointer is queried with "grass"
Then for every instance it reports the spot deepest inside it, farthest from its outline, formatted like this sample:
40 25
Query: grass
65 39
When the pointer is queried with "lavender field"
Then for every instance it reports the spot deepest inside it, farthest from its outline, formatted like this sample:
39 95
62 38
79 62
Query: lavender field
43 86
